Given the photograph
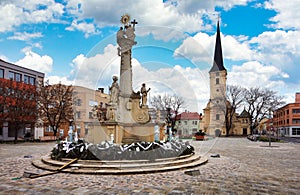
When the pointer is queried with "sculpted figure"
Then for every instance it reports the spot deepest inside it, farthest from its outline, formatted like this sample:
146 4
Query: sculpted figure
114 90
144 93
130 34
125 38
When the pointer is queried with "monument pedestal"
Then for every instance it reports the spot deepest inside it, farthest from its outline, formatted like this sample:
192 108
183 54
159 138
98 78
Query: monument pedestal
127 113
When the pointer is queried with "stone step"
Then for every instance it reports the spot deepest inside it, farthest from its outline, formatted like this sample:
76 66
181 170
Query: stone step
82 164
84 167
65 160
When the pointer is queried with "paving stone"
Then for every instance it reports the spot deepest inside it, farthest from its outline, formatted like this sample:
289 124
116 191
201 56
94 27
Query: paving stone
243 166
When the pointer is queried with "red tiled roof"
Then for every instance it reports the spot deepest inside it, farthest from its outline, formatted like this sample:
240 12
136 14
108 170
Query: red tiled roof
188 116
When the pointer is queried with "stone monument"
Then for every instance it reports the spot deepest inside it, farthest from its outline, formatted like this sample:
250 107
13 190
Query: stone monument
127 115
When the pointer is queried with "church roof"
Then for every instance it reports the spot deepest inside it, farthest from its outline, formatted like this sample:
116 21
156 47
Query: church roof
244 114
218 56
188 116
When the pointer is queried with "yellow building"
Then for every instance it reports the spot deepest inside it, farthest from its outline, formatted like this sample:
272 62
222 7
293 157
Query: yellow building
84 101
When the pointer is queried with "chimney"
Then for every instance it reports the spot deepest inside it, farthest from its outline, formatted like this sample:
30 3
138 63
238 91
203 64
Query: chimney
297 98
101 89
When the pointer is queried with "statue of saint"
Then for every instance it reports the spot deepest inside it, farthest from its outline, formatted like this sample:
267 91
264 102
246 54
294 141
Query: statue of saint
144 93
129 33
114 90
126 37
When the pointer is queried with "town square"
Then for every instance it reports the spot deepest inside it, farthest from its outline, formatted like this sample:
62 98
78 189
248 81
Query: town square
244 167
172 97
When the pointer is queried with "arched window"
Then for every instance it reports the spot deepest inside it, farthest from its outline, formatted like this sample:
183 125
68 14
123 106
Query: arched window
217 81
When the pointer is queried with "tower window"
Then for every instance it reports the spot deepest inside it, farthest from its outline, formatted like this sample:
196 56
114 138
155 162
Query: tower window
217 117
217 81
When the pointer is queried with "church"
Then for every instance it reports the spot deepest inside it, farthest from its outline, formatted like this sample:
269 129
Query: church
213 121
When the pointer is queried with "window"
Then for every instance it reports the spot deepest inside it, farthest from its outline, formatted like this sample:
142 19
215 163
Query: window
49 129
1 73
26 79
217 81
296 121
18 77
15 76
90 115
11 75
93 103
185 122
296 111
287 121
78 102
217 117
32 80
195 122
217 73
77 115
287 112
295 131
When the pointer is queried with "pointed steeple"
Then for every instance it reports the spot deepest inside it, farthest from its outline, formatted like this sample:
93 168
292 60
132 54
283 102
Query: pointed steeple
218 56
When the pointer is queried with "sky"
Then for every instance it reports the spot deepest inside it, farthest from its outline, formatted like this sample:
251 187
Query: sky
74 42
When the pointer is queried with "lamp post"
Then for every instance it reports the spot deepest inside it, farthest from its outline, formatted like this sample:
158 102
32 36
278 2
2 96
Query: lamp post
70 132
270 125
169 124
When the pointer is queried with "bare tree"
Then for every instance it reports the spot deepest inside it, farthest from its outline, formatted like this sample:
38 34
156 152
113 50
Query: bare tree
259 102
174 102
235 96
229 103
18 105
168 102
55 105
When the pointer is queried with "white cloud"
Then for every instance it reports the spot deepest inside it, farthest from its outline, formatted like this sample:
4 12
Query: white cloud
87 28
279 48
201 47
288 14
254 74
184 16
192 6
56 79
14 13
24 36
3 57
36 62
97 71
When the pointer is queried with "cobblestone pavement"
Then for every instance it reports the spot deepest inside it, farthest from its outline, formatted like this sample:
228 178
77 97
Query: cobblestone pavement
244 167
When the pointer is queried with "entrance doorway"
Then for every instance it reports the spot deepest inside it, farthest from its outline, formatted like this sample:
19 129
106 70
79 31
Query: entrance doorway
244 131
217 132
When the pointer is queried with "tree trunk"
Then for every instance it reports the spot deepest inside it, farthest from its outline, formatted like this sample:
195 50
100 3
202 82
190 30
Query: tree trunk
16 129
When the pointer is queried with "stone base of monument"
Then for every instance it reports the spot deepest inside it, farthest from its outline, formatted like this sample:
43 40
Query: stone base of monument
123 133
115 167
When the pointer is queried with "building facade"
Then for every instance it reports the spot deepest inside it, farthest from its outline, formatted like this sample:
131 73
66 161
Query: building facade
214 115
213 121
187 124
286 120
18 80
85 100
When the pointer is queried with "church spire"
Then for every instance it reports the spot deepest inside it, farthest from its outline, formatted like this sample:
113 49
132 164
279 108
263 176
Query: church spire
218 56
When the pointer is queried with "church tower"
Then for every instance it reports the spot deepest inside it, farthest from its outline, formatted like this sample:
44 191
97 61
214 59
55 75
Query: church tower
214 113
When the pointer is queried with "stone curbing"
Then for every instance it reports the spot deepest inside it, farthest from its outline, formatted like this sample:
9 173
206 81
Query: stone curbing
123 166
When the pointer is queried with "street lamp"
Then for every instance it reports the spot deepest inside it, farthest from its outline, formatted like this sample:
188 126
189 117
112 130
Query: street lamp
270 125
169 124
